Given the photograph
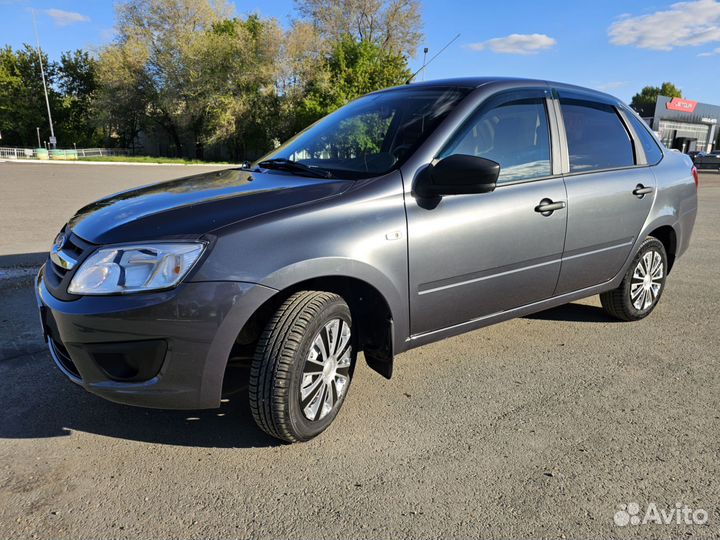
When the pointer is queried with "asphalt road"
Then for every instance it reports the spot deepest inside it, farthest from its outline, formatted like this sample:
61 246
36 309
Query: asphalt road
538 427
37 199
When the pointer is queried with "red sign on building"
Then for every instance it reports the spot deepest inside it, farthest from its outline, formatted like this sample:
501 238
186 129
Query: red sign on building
683 105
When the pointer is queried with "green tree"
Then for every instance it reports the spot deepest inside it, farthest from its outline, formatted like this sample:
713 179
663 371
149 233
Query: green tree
77 83
194 73
352 68
394 25
71 85
22 101
11 84
232 72
341 49
124 93
644 101
185 68
159 32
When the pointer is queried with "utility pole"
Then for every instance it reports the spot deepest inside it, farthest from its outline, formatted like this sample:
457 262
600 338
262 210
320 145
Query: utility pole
38 134
53 140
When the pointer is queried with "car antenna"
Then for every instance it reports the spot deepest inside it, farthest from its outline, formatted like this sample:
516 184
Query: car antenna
433 58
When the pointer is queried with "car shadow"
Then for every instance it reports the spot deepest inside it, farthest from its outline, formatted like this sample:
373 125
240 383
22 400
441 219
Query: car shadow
574 313
37 401
42 403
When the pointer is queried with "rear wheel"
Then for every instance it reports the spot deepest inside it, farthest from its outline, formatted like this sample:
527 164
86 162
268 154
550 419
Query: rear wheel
643 284
302 366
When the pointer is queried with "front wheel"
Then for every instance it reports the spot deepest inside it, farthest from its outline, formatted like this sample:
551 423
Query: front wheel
643 284
302 366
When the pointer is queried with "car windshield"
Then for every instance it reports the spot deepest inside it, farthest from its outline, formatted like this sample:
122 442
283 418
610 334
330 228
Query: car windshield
368 137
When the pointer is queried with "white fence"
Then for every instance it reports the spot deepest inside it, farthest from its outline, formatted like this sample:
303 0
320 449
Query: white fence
17 153
68 154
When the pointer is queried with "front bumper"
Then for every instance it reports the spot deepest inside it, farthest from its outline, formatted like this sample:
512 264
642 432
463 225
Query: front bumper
166 349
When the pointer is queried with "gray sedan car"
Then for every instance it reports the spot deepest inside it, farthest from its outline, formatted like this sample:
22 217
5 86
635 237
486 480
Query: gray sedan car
410 215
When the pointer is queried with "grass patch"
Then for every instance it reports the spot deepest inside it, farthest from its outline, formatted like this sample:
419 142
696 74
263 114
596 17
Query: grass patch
148 159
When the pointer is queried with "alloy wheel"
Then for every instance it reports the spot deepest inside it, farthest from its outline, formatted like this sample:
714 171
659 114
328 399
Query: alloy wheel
647 280
326 373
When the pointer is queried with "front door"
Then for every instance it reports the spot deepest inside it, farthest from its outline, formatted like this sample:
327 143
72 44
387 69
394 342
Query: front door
475 255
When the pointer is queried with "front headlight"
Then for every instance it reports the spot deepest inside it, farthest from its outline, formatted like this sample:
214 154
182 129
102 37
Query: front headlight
144 267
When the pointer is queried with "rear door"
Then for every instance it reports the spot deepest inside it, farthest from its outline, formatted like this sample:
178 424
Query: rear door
610 189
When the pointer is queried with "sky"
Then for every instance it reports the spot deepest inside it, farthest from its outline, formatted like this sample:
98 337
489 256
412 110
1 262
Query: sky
611 45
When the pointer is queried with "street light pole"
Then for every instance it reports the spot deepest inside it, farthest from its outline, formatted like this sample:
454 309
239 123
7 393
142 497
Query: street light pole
425 51
53 140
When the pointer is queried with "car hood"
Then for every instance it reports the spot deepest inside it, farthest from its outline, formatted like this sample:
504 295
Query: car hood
195 205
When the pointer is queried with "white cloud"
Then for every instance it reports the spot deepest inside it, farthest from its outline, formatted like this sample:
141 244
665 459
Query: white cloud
515 44
683 24
612 85
715 52
65 18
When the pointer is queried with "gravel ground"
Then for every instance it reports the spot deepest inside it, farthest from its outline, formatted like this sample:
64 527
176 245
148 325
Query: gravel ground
537 427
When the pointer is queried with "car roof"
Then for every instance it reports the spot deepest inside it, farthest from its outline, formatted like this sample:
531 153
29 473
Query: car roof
476 82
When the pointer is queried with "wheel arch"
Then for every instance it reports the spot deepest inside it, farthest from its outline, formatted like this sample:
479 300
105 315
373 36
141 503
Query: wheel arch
372 313
668 236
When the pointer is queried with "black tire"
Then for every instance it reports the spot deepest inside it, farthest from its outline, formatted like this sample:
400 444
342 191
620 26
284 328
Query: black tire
621 303
277 370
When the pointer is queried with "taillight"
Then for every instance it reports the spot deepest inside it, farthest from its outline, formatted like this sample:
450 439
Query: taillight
695 176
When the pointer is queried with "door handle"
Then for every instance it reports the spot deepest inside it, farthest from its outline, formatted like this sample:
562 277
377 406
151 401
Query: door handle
547 206
640 191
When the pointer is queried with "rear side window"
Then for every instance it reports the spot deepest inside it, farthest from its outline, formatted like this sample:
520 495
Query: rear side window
514 134
597 138
653 154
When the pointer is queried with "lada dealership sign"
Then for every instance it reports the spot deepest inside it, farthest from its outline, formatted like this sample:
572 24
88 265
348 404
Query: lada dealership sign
683 105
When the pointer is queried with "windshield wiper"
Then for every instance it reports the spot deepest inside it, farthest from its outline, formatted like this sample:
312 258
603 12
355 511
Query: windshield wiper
281 164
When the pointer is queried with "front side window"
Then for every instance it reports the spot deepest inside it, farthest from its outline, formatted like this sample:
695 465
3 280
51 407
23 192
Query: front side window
514 134
373 134
596 137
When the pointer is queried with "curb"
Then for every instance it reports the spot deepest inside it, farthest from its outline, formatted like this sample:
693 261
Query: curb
17 278
22 260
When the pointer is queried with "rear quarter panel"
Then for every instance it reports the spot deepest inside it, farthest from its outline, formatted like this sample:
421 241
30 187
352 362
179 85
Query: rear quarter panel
675 201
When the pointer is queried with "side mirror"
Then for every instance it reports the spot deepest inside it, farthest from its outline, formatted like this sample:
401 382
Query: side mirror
458 174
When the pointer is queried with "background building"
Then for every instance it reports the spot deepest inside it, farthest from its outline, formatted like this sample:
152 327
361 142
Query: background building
686 125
